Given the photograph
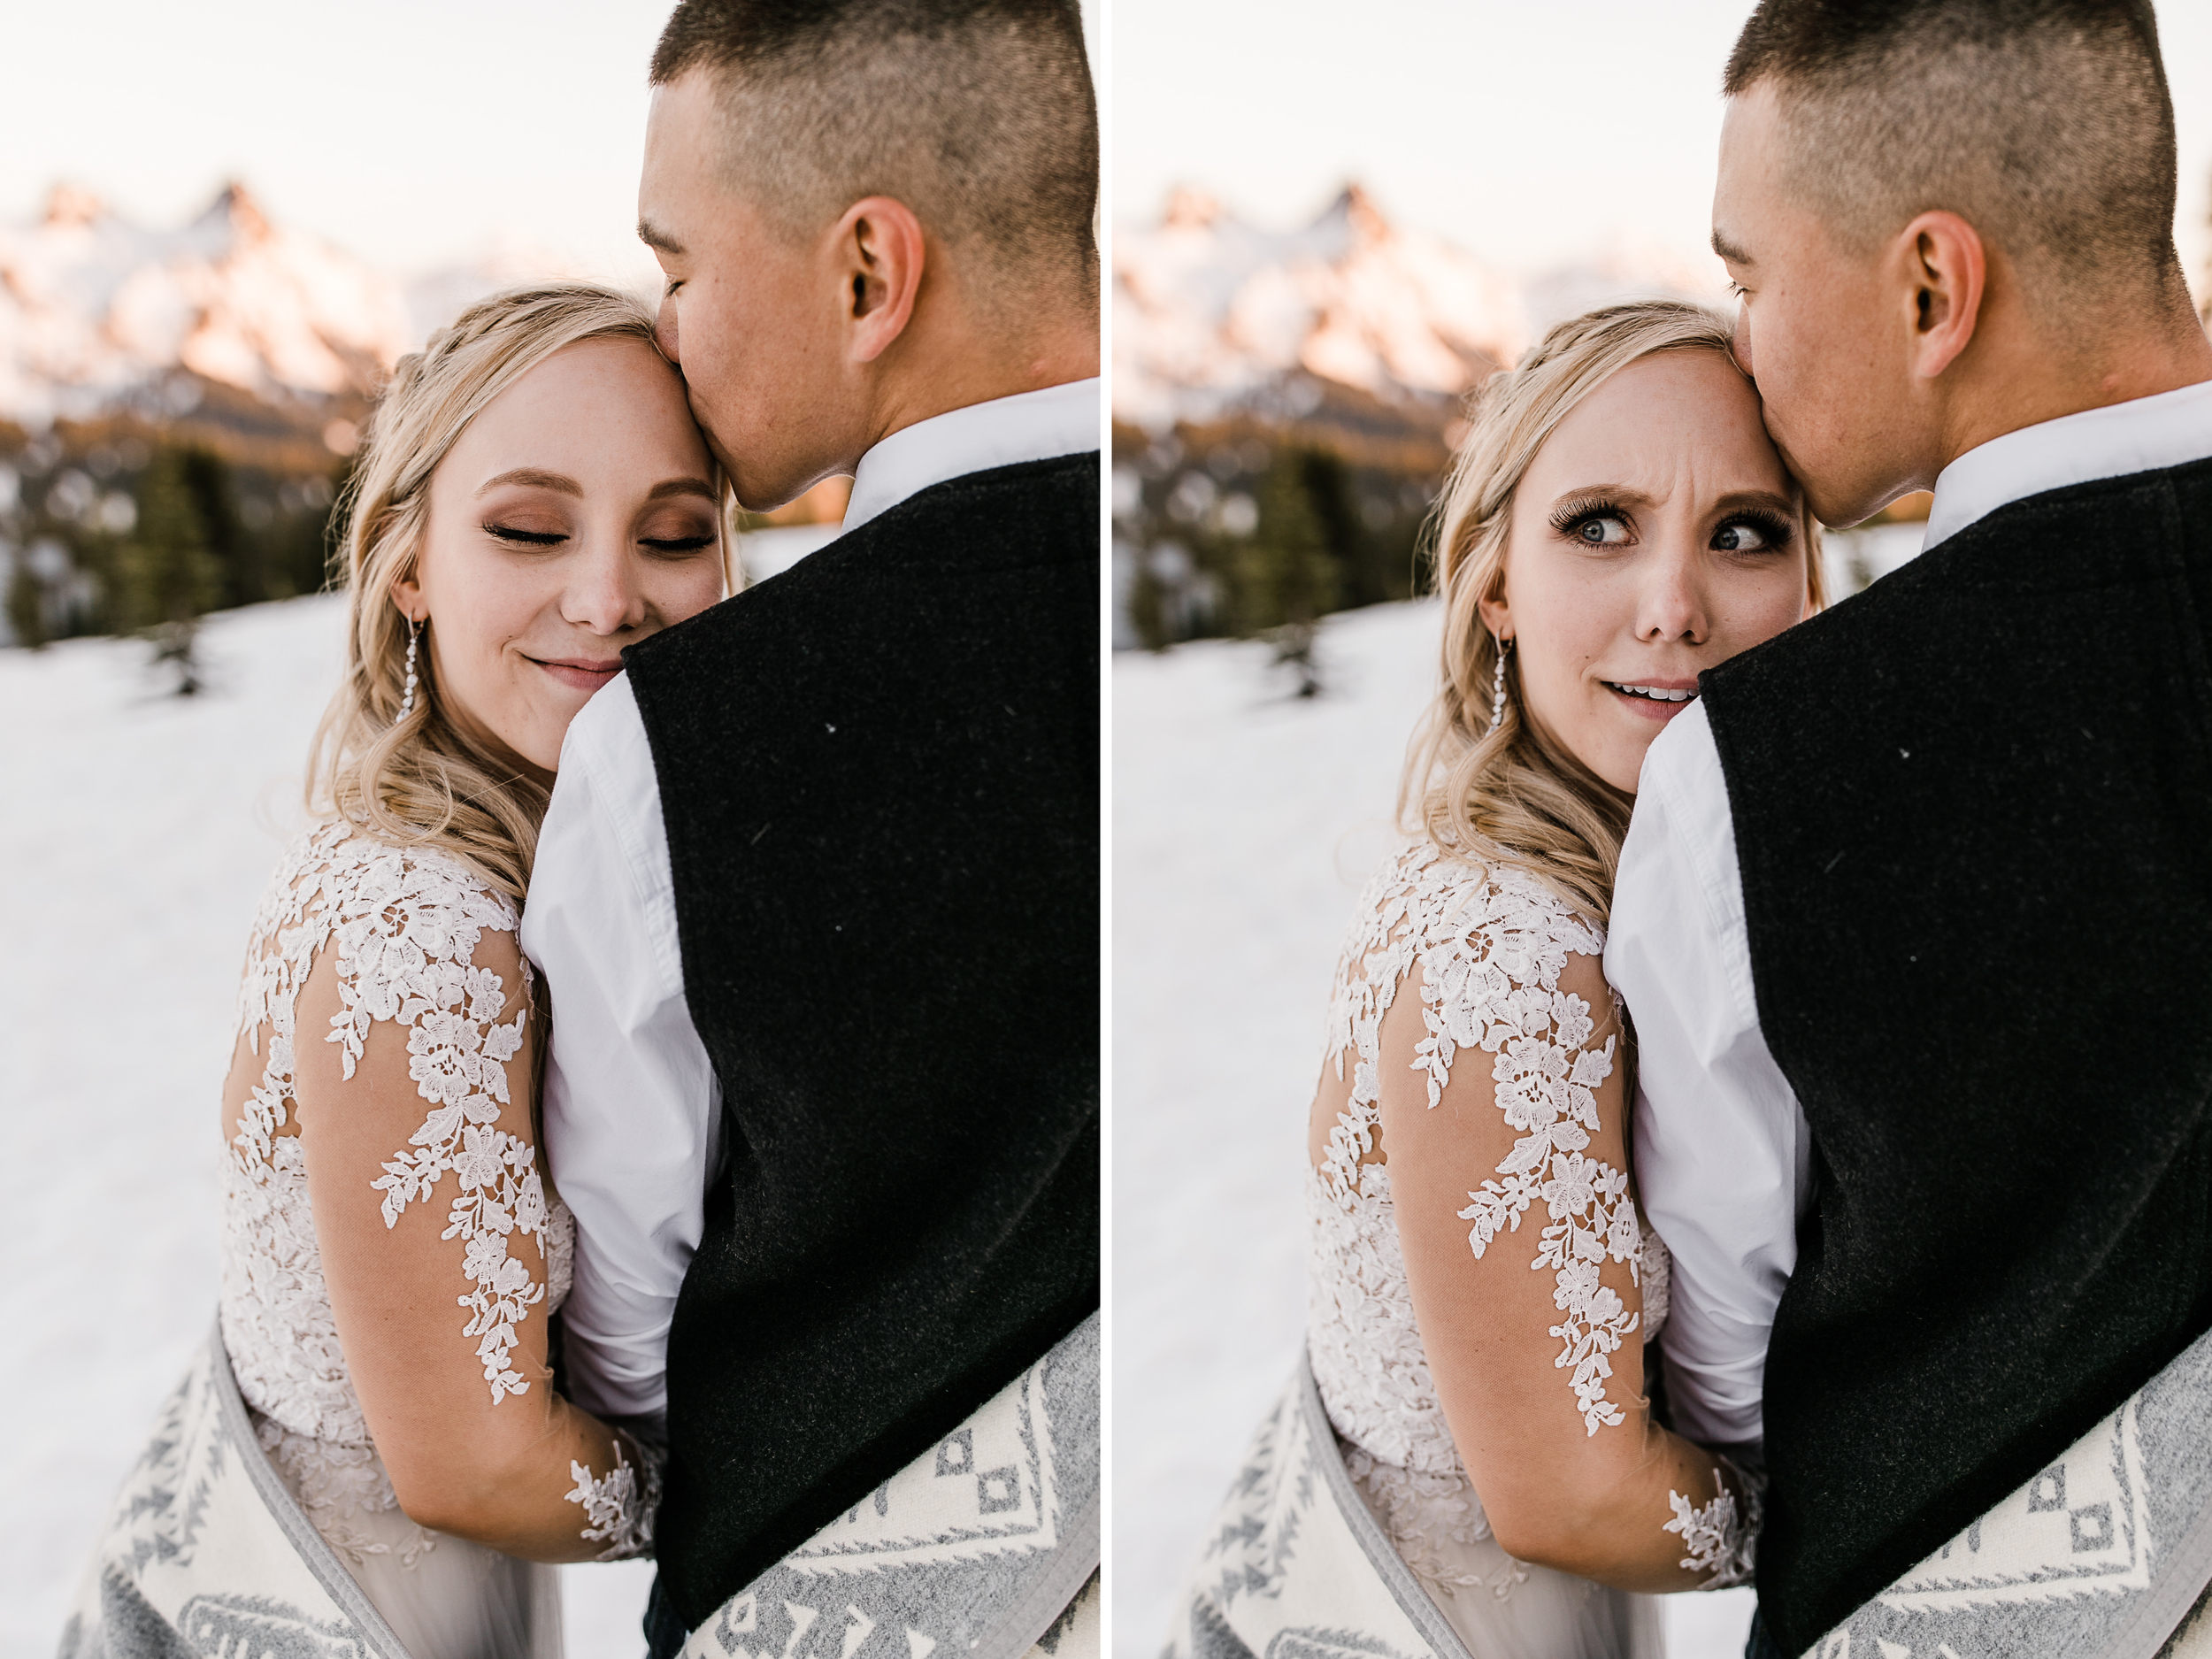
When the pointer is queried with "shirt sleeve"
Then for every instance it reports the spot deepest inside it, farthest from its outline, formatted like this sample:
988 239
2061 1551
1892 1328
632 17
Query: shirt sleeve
632 1111
1721 1147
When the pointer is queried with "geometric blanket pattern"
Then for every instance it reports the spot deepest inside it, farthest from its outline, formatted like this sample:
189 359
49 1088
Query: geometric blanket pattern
972 1551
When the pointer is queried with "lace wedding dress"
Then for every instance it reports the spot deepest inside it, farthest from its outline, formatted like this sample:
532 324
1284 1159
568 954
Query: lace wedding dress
405 925
1490 946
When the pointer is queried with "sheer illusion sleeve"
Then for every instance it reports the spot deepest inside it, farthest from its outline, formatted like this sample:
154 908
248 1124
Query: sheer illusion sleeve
415 1057
1502 1124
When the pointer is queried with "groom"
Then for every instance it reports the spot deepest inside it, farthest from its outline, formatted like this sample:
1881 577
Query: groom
1915 917
817 896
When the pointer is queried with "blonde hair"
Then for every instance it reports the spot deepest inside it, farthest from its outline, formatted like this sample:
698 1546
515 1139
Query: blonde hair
1517 795
421 780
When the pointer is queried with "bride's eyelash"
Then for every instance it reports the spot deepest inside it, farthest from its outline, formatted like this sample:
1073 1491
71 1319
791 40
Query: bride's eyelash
1778 530
678 544
1570 513
524 538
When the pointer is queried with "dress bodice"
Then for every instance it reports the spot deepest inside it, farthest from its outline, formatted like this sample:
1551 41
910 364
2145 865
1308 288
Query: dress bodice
405 923
1490 944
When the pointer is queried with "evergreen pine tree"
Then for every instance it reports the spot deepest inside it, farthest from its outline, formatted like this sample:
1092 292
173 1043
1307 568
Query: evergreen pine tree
167 570
1287 576
27 607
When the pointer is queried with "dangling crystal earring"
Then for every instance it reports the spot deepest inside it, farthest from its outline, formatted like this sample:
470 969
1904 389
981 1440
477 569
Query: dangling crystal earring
407 702
1497 687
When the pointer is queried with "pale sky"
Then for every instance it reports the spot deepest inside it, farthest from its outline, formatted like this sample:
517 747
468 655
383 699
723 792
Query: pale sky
1529 134
409 132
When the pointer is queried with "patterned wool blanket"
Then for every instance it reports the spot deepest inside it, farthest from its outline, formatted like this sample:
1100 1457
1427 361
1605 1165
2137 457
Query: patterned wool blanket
206 1552
979 1548
2102 1556
1297 1567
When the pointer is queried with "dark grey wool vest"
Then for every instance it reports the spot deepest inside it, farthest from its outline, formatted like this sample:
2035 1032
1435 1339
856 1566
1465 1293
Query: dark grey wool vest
881 776
1973 808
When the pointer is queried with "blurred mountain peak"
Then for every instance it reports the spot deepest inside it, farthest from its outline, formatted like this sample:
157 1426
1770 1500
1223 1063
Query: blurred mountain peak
235 209
70 206
1213 316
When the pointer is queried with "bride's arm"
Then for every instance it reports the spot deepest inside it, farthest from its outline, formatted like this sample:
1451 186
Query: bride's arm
430 1214
1519 1235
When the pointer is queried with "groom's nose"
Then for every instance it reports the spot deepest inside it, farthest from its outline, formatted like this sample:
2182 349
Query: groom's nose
664 330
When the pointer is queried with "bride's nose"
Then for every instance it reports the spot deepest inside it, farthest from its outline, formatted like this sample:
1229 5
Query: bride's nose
1670 604
604 593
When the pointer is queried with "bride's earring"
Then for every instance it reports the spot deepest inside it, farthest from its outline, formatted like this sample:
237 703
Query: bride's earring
1497 687
407 702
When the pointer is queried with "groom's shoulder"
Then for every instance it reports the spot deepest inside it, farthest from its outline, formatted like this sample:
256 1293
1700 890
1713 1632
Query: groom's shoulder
1028 513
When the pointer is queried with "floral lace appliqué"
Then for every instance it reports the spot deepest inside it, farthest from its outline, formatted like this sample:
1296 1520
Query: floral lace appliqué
406 923
620 1506
1718 1538
1490 946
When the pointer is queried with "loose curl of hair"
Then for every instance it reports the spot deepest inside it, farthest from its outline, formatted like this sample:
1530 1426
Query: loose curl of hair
422 780
1518 795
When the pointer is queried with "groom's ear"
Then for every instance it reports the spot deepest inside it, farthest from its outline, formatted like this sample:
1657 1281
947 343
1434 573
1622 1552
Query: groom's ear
881 251
1947 271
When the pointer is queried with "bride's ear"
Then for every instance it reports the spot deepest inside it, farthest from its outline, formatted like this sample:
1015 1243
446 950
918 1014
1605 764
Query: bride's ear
1496 614
407 595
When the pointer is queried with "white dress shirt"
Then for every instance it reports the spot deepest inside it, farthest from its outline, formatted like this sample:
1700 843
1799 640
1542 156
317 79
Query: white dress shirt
633 1112
1722 1154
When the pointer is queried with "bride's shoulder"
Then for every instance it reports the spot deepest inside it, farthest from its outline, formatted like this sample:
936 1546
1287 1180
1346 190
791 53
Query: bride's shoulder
351 882
1430 896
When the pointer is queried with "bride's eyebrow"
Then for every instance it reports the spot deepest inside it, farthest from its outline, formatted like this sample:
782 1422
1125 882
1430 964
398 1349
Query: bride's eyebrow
684 486
1737 499
534 477
1595 498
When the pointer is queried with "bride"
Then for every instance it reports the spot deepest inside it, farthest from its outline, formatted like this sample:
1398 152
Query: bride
532 498
1475 1439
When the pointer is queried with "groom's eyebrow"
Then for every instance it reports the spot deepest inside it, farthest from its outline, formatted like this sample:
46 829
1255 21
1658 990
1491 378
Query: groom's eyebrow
653 236
1728 250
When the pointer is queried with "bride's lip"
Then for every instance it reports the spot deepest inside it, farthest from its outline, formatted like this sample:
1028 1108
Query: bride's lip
1636 696
579 673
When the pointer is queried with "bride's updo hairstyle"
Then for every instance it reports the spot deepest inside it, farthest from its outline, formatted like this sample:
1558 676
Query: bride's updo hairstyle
1518 795
421 780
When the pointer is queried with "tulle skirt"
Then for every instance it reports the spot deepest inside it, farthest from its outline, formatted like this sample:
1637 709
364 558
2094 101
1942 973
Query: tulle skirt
444 1597
459 1600
1503 1608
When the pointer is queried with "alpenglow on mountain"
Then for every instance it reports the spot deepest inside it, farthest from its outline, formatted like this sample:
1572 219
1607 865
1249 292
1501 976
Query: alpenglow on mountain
1212 316
97 314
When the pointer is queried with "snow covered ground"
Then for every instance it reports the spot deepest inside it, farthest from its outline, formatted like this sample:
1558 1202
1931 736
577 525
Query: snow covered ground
135 833
1245 824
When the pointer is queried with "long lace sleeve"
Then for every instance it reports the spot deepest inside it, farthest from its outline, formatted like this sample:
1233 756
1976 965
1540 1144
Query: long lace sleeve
1487 1040
402 1054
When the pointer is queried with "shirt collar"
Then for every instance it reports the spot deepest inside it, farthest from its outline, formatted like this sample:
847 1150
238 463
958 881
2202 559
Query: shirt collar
2141 435
1027 426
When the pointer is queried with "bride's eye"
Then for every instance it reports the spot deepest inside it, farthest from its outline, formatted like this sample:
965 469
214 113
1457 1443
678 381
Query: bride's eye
515 537
677 544
1749 536
1600 529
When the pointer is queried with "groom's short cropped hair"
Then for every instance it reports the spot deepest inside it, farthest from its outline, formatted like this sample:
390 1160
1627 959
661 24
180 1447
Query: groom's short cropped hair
978 114
2046 123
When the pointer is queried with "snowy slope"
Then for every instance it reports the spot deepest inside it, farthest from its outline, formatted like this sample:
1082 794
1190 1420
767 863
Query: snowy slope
135 833
1245 824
